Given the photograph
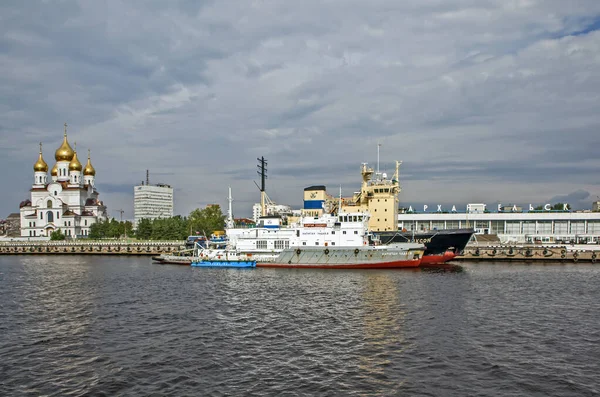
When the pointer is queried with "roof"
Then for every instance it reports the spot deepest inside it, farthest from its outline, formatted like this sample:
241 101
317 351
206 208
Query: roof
316 187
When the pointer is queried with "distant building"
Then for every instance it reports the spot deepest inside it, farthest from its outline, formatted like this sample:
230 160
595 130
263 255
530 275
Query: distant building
68 202
152 202
256 212
596 206
512 208
244 222
11 226
272 209
475 208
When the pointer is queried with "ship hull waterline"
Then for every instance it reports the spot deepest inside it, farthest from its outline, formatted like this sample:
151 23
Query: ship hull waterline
434 259
380 265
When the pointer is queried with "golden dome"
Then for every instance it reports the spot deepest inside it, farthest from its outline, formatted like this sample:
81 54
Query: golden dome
75 165
64 152
40 165
54 171
89 170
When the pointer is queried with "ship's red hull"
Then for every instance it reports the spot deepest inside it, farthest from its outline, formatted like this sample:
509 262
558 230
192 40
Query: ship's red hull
437 259
381 265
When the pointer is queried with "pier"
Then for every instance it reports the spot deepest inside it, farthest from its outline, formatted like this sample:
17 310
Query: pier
84 247
531 253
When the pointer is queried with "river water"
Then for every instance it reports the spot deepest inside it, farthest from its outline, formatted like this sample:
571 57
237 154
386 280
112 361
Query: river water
83 325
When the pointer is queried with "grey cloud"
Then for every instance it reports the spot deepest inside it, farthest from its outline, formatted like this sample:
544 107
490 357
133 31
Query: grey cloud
468 93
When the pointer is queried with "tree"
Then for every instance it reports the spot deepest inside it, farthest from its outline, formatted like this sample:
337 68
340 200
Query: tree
57 235
144 229
560 207
110 229
207 220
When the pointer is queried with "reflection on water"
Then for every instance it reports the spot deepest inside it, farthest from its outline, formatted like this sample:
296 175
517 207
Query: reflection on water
124 326
383 321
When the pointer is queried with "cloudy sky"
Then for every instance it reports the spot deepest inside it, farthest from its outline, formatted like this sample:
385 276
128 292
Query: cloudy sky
483 101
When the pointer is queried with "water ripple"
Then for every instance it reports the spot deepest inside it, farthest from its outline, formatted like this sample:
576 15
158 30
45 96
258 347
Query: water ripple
74 326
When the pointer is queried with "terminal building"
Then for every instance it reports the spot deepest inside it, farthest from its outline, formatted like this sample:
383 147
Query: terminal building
152 201
511 223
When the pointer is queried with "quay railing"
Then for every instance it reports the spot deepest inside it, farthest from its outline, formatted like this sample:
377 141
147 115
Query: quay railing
143 247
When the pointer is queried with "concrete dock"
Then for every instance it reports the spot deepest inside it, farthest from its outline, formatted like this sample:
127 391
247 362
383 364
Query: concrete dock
531 253
83 247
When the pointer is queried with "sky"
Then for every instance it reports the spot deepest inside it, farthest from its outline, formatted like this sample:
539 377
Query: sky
484 101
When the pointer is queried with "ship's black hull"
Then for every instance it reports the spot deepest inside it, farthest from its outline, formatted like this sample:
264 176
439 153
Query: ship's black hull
437 242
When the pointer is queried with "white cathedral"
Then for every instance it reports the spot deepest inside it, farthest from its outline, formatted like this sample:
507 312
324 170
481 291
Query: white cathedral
68 203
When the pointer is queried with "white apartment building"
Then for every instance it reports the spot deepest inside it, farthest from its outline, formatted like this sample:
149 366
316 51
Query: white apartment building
152 201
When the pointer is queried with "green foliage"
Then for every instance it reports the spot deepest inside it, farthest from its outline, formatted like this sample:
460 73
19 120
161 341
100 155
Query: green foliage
144 229
207 220
555 207
110 229
560 207
175 228
57 235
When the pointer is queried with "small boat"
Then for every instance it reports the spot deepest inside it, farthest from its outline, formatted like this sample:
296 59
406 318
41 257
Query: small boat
223 257
223 263
184 257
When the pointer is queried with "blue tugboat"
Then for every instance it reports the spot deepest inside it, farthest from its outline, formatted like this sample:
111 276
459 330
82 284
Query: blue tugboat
223 263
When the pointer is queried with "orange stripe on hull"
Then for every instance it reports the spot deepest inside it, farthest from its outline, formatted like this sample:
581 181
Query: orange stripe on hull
382 265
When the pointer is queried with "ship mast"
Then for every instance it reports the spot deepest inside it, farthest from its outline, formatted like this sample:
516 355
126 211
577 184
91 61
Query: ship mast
230 223
262 171
378 146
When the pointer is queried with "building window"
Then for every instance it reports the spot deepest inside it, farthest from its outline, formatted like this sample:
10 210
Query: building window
333 232
333 243
344 232
316 243
304 243
55 193
85 222
57 215
41 215
356 232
